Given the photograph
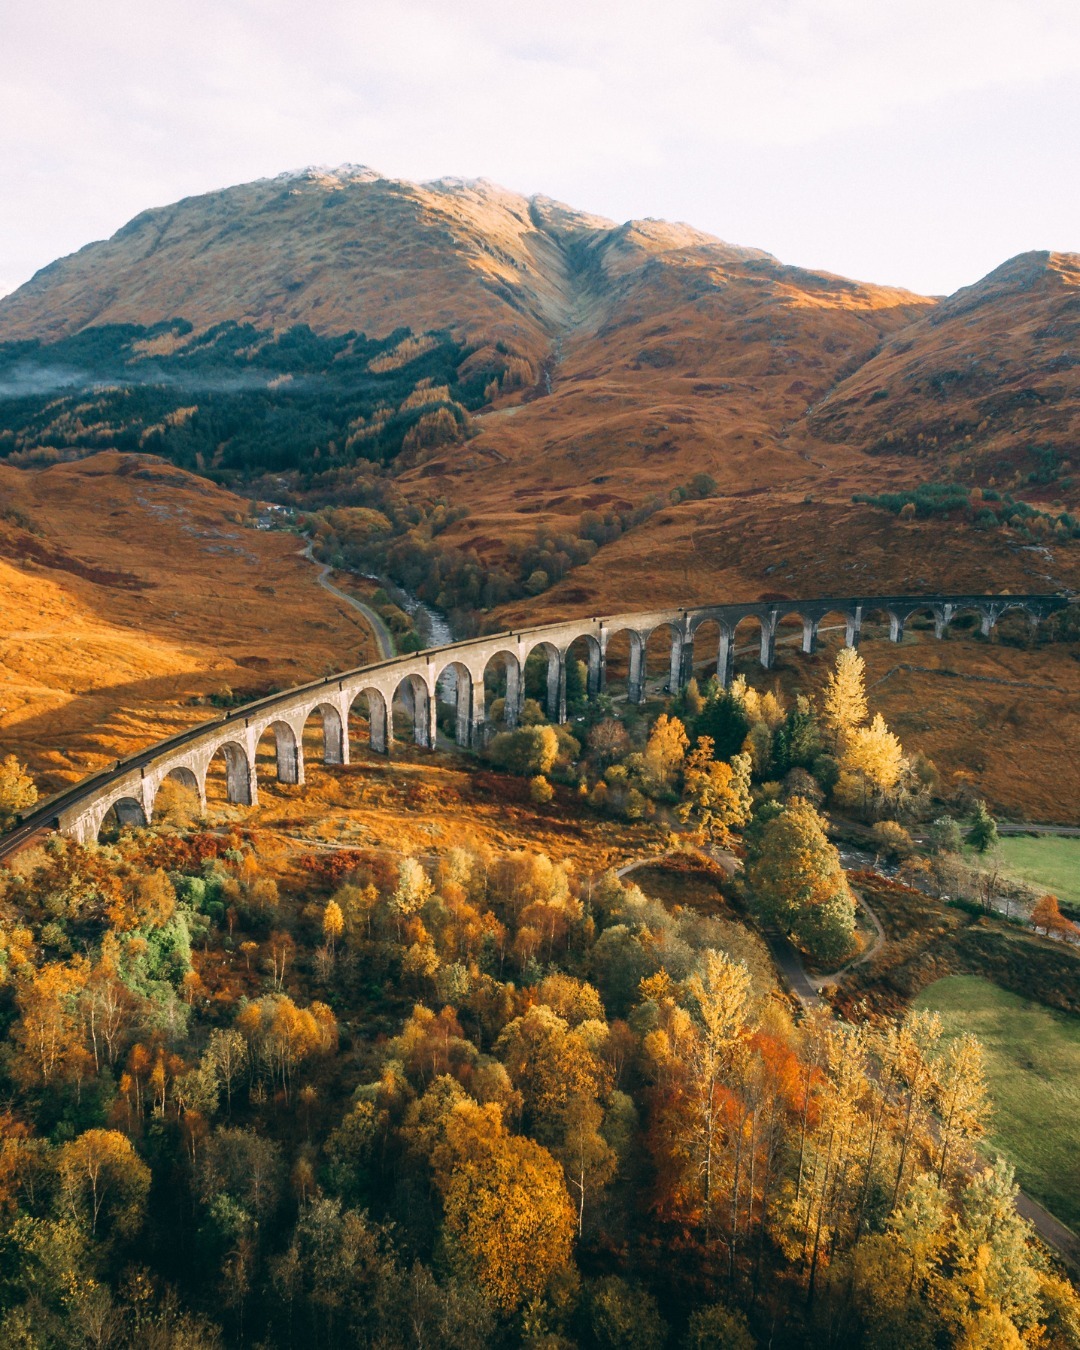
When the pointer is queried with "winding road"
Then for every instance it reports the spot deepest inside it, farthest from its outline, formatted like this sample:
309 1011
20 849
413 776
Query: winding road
384 639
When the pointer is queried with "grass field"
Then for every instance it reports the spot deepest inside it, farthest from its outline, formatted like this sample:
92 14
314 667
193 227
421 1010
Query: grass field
1045 860
1033 1071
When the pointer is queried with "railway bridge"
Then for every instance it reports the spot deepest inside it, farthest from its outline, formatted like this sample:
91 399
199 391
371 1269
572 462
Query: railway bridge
457 673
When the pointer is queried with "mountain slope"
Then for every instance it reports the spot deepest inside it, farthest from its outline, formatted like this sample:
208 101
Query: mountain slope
527 363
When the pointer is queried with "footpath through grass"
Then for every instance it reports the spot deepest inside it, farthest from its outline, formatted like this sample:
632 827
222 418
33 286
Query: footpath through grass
1047 860
1033 1072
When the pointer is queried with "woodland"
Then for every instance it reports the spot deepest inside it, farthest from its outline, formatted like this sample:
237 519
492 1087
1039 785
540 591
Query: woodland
258 1092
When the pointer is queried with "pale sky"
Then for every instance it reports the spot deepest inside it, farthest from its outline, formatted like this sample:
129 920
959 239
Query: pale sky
912 142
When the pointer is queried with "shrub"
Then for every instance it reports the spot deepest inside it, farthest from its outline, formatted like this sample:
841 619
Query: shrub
540 790
527 750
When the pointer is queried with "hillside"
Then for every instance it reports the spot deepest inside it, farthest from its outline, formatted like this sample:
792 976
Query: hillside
527 362
130 593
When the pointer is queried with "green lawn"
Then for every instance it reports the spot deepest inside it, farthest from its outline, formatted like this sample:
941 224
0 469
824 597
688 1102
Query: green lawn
1033 1072
1045 860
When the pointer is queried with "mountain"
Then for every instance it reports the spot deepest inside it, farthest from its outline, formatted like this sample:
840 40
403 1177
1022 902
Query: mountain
557 377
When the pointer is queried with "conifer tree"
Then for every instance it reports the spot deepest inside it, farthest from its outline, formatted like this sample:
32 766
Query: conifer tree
844 704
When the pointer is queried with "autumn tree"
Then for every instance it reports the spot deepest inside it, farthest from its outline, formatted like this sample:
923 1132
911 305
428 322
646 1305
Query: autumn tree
17 791
716 794
508 1222
102 1179
664 752
796 880
844 704
1046 914
871 765
333 924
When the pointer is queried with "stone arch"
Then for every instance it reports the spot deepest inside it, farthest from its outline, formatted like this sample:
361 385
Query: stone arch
412 700
583 648
662 654
623 664
454 687
546 682
187 778
287 752
241 787
702 654
335 745
124 812
750 635
502 680
369 718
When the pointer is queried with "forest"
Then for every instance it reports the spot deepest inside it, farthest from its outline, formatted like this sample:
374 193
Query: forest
236 401
269 1095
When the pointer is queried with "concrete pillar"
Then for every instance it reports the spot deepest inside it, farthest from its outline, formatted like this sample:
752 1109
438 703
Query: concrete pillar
686 672
896 627
478 720
635 684
768 641
289 755
989 619
942 618
853 629
725 657
602 639
809 636
426 725
595 680
556 686
515 689
463 700
674 679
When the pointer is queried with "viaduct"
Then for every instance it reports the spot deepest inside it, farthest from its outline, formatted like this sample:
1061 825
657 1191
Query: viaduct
456 672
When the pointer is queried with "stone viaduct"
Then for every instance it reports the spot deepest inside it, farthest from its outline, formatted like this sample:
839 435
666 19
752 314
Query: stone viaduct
456 673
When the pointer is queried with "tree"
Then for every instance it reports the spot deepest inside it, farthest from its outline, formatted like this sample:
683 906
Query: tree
716 794
527 750
608 742
508 1221
718 996
797 742
945 836
724 721
717 1327
796 880
982 832
844 705
333 924
17 791
624 1316
665 751
871 764
101 1176
1047 915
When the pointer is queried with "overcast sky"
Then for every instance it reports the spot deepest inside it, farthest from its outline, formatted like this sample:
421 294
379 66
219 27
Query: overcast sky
914 142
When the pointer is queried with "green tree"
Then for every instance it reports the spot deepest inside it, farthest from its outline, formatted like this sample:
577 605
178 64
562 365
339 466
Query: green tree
725 721
982 832
527 750
796 880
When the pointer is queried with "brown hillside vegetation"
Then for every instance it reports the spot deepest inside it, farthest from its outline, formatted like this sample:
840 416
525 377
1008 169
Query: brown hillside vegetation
129 588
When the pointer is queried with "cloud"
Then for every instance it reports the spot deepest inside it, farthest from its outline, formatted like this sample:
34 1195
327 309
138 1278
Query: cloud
108 108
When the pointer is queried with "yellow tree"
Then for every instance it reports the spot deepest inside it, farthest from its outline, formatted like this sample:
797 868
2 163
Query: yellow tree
17 791
844 705
665 751
508 1221
100 1173
871 764
333 924
718 996
716 794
